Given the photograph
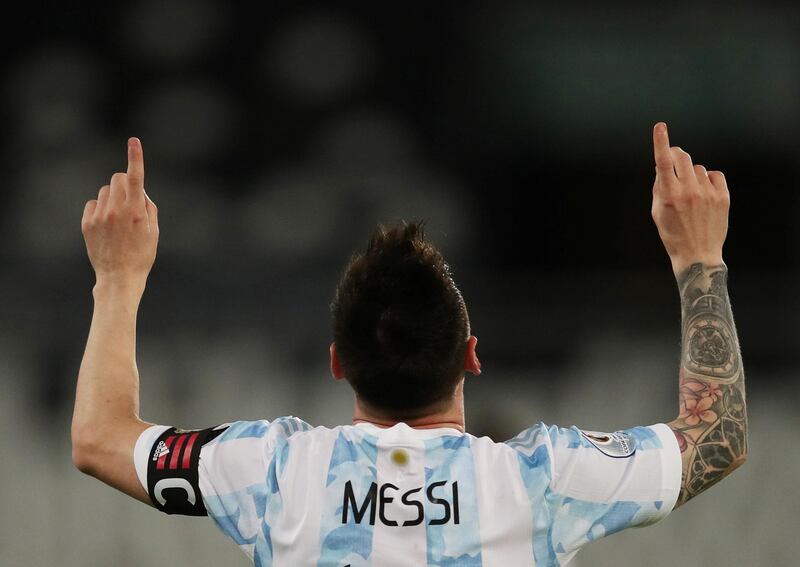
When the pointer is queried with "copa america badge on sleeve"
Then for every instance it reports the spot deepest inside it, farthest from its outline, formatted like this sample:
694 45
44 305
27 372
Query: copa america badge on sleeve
618 445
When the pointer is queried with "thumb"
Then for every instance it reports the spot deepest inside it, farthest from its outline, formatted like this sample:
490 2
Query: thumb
152 211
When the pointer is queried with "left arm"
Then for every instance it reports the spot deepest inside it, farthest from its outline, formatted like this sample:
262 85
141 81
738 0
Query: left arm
712 426
120 228
690 209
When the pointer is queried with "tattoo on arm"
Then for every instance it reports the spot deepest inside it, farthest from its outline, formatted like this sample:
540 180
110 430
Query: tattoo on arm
712 426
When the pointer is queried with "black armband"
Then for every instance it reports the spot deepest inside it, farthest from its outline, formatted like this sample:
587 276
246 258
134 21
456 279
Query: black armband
172 476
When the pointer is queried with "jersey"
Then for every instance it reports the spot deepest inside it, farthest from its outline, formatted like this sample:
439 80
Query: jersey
290 494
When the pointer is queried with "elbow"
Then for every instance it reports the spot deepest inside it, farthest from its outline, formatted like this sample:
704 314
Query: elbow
82 461
96 447
740 456
740 460
84 452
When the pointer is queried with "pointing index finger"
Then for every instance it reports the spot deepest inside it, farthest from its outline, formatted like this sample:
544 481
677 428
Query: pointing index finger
661 150
136 167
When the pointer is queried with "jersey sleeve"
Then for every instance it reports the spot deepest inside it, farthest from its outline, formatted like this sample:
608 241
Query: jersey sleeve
594 484
228 472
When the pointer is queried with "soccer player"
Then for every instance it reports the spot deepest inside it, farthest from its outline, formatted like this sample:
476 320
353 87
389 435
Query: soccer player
404 484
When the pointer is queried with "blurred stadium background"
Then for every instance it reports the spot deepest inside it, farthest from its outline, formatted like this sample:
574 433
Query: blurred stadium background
276 136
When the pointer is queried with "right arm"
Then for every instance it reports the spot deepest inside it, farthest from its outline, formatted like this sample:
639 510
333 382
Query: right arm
690 209
121 233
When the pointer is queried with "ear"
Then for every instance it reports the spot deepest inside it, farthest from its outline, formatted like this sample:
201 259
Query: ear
336 365
471 362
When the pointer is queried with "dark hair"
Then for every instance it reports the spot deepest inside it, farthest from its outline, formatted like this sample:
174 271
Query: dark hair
400 324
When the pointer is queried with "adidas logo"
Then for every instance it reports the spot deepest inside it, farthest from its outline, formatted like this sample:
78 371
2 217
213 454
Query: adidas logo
161 449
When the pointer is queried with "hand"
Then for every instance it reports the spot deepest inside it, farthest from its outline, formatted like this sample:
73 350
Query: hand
690 206
120 227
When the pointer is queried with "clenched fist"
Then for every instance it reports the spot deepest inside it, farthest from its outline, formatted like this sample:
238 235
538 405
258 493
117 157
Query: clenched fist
690 206
120 227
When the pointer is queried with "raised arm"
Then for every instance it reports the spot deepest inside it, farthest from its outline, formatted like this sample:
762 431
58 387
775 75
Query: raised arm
690 208
120 228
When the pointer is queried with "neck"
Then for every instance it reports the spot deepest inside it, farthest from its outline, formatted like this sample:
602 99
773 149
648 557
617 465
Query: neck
451 414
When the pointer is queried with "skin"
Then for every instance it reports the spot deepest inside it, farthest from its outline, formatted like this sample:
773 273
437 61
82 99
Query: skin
120 228
690 209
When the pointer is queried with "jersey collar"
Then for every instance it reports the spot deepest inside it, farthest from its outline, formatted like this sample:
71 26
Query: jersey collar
405 428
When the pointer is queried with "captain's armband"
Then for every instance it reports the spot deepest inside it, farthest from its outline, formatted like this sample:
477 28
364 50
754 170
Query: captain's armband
172 470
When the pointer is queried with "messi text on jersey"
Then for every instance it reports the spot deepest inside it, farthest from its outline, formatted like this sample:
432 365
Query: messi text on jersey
379 497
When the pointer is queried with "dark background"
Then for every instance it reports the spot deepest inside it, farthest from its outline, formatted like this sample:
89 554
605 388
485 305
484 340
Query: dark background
277 136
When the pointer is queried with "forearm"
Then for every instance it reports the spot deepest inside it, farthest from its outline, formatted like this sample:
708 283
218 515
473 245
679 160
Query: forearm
712 426
107 395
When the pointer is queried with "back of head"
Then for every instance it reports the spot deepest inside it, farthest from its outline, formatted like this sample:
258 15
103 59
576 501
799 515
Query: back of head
400 324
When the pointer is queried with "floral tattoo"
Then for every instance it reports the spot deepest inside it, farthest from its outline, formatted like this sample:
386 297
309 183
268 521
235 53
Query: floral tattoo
712 426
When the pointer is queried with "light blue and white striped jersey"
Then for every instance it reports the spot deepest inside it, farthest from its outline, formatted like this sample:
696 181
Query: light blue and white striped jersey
292 495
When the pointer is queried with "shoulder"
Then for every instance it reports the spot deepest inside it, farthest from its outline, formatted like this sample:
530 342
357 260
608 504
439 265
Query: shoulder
257 440
274 430
538 436
622 442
